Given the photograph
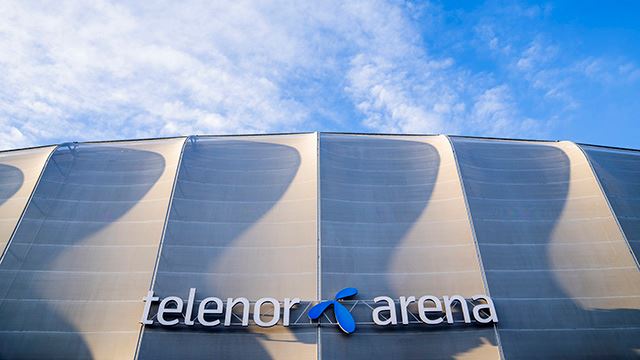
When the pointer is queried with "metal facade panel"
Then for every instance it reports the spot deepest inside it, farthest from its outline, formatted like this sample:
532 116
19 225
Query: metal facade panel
394 222
619 175
251 216
19 172
85 250
557 266
242 224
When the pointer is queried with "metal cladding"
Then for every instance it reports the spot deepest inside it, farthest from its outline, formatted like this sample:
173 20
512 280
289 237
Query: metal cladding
550 231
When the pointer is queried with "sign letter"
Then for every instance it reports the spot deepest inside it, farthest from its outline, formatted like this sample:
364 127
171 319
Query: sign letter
488 306
390 307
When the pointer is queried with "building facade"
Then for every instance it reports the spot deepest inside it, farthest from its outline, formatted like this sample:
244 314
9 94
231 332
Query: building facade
547 231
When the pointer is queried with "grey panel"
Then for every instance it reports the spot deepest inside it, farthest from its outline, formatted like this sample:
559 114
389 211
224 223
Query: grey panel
242 223
19 172
393 222
244 219
564 284
619 175
78 264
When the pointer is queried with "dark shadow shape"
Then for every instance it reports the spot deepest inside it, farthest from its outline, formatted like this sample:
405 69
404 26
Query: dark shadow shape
619 174
84 188
499 179
11 179
373 191
223 188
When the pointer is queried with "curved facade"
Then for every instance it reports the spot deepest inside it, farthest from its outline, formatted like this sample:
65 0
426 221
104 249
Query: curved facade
548 232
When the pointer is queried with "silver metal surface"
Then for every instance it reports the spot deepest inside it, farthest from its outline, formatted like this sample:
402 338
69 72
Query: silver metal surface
304 215
556 263
71 280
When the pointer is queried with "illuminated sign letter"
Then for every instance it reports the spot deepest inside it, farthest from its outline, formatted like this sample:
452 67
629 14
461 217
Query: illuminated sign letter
203 310
404 304
390 307
276 312
422 310
245 310
288 304
488 306
187 315
163 309
448 303
147 307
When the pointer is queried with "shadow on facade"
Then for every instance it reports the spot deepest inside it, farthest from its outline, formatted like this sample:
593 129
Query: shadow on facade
51 278
373 192
224 188
11 179
517 195
86 190
619 172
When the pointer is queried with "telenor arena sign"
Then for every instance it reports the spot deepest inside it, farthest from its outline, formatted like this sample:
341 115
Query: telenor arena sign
213 311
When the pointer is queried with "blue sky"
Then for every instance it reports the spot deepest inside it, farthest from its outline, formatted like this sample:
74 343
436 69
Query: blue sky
74 71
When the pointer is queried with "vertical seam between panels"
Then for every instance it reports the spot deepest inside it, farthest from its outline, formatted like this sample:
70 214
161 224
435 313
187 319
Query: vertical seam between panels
473 235
164 228
24 210
606 199
319 245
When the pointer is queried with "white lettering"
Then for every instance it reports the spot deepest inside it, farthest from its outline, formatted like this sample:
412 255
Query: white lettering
203 310
276 312
187 316
448 303
245 310
163 309
288 305
147 307
390 307
431 310
404 304
423 310
488 306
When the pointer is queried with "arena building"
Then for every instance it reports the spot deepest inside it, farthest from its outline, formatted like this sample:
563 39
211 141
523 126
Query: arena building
320 246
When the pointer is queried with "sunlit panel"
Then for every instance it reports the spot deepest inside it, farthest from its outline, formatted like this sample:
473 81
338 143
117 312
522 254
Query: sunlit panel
19 172
394 223
619 175
84 253
242 224
557 266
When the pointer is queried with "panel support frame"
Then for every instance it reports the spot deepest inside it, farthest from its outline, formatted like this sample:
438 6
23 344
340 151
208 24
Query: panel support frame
606 199
26 206
473 235
164 229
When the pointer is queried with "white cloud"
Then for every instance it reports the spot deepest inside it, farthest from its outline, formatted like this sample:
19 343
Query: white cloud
100 70
392 80
401 87
494 112
606 70
550 75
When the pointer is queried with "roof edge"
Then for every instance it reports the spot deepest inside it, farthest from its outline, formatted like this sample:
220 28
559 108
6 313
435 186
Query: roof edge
310 132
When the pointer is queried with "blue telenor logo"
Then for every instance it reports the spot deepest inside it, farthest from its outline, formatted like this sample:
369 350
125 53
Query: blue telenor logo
343 316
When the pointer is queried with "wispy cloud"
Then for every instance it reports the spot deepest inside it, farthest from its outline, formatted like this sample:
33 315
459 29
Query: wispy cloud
549 73
96 70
